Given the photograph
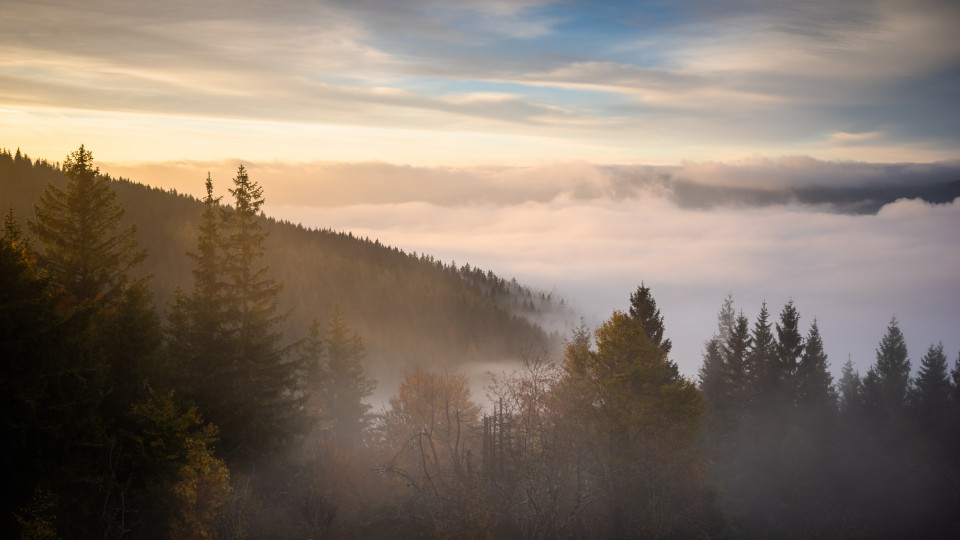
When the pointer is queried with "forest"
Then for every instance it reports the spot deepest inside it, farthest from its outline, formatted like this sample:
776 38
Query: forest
223 391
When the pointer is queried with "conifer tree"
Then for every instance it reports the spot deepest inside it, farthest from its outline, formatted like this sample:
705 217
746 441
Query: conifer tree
226 335
955 375
644 310
713 375
764 364
86 248
930 396
789 351
641 416
736 351
198 338
726 318
715 380
814 382
347 387
13 234
851 392
885 387
267 404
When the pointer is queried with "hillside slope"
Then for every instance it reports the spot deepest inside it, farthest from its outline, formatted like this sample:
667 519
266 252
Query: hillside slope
410 310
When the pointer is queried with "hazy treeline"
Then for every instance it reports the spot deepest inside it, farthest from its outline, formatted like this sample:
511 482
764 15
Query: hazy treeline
798 455
394 299
216 419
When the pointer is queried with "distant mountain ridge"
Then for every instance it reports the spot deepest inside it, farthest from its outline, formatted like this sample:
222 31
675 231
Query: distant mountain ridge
410 310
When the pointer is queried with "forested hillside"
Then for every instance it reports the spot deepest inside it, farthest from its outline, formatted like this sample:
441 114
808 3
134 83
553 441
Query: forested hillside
215 420
411 310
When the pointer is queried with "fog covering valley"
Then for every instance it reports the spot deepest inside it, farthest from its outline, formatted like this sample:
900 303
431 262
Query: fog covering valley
192 367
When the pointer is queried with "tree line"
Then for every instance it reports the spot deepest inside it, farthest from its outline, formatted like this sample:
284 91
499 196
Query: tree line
391 297
210 422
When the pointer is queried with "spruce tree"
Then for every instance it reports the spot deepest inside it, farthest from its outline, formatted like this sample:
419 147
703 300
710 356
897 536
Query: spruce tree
199 341
955 375
851 393
930 396
713 376
226 335
347 387
789 351
814 382
644 310
267 404
13 234
887 381
715 381
736 350
764 364
86 248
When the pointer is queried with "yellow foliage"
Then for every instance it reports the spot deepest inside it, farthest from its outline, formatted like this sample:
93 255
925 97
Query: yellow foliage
202 494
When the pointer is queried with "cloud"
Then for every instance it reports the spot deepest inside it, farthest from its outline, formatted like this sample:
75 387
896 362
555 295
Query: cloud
851 272
701 81
843 138
849 187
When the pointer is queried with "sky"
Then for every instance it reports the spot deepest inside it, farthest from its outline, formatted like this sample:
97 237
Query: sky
704 148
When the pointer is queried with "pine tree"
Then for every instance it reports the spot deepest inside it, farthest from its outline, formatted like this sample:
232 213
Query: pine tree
789 351
764 365
726 319
199 341
736 351
713 376
715 381
887 381
640 416
644 310
87 250
814 382
267 404
851 392
226 336
955 375
51 385
347 387
930 396
13 234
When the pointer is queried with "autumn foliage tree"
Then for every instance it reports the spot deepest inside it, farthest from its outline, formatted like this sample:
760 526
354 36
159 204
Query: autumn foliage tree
432 431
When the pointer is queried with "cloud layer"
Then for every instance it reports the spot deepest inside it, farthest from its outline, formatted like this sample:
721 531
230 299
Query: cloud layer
848 187
595 232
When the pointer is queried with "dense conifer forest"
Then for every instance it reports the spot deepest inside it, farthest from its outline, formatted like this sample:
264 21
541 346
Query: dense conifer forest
176 368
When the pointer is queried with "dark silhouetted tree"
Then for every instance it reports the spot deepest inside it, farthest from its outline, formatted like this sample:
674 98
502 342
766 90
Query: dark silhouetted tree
267 404
955 375
716 379
789 351
930 396
764 365
643 309
885 387
199 341
86 248
814 382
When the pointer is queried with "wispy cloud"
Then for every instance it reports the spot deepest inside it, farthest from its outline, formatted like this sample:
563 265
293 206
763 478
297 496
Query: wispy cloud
699 81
